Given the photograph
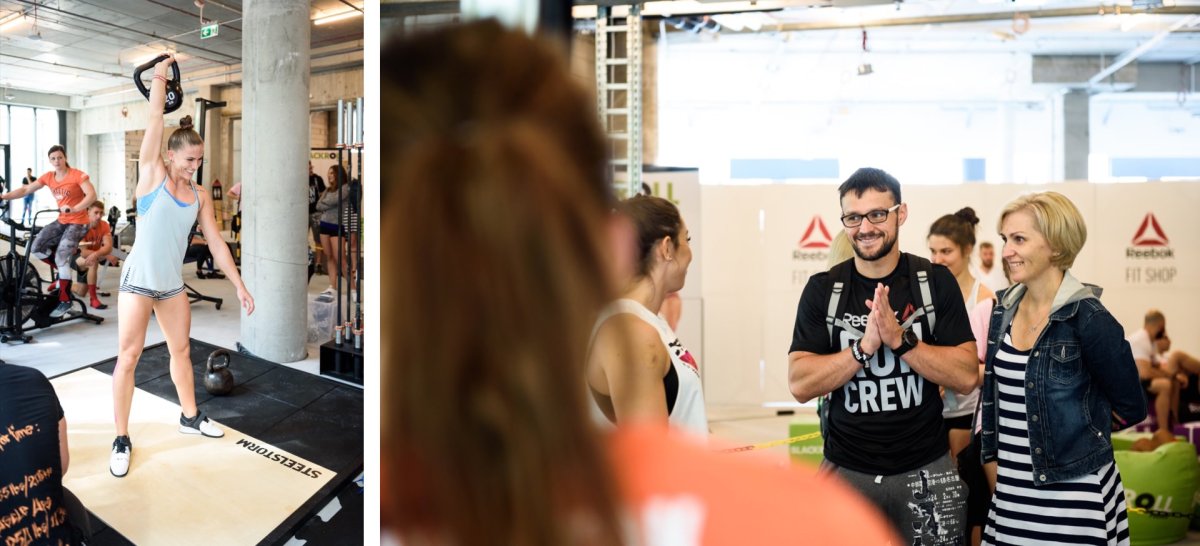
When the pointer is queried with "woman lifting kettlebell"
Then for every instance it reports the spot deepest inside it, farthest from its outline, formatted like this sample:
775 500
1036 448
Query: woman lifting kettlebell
168 203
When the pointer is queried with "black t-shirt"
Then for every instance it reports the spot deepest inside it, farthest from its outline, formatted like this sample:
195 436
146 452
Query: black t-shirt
316 186
31 498
888 419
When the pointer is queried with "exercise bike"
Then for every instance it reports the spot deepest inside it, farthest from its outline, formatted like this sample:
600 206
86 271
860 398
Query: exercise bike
21 298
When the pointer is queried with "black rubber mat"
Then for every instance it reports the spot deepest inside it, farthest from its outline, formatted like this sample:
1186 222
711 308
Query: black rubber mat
308 415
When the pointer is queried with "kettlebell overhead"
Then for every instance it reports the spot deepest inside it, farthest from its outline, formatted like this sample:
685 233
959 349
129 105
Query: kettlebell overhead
174 85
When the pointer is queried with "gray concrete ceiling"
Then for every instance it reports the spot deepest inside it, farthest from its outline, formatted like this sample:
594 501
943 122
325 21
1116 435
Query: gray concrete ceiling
78 47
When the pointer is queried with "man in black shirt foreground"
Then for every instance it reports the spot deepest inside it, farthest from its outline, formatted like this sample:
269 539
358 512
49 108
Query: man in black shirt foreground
875 337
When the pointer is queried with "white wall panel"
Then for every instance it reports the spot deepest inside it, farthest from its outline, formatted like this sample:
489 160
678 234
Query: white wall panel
753 278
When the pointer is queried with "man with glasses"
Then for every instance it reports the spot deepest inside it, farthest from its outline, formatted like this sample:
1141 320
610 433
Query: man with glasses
878 335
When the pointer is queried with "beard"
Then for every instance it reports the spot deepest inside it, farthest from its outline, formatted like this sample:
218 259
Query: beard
885 247
987 264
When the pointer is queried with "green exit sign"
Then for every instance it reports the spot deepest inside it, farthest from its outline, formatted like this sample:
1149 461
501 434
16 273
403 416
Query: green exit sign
208 31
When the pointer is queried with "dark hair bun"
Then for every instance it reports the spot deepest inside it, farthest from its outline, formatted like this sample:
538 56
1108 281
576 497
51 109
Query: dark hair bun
968 214
185 123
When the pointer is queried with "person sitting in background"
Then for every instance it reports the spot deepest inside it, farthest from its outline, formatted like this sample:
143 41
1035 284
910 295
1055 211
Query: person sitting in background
1163 374
496 216
96 245
198 252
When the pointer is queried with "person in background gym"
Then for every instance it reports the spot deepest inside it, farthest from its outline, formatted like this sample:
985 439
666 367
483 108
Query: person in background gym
497 211
27 213
993 275
316 187
951 242
653 377
97 244
332 230
168 203
73 190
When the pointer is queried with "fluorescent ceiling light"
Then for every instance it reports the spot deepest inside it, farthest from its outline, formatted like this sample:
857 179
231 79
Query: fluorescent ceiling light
334 18
11 23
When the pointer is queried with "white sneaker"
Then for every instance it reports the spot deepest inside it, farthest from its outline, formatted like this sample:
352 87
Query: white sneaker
199 425
118 462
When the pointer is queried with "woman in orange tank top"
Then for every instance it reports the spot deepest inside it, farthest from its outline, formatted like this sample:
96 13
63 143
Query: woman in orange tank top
74 192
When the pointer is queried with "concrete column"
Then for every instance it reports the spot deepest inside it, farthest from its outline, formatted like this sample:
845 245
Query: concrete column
212 135
1076 134
275 72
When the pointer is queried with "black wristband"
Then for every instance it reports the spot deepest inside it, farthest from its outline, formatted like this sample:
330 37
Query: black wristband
858 354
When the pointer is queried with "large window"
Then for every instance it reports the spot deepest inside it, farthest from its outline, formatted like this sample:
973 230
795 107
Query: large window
30 132
758 109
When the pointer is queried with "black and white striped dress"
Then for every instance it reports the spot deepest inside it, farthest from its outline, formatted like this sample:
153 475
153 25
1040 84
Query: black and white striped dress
1089 509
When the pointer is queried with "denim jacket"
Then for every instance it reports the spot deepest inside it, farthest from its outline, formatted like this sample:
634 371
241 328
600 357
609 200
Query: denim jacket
1080 372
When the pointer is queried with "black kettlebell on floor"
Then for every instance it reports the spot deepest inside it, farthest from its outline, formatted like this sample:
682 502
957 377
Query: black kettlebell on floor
174 87
219 379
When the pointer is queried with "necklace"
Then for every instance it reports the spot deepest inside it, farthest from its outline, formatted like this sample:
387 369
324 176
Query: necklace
1035 327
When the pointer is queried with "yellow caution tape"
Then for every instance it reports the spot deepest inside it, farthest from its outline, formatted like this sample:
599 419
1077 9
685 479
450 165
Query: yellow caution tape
792 440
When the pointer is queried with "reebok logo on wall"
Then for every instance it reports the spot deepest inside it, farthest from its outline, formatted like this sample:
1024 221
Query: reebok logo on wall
1150 241
816 240
1156 237
814 244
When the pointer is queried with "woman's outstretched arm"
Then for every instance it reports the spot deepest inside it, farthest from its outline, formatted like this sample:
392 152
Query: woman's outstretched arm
150 164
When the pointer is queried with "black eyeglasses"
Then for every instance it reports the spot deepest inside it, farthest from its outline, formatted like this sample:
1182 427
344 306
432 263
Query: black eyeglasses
876 216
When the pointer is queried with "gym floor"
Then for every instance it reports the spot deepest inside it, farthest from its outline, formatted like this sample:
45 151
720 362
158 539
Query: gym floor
72 345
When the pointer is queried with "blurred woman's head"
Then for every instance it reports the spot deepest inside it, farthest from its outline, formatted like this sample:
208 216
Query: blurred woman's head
494 206
952 239
840 249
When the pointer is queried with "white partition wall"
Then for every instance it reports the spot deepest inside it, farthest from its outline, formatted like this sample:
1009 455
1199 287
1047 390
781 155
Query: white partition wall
762 242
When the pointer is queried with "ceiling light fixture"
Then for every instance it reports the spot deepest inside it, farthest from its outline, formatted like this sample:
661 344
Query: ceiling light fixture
334 18
13 21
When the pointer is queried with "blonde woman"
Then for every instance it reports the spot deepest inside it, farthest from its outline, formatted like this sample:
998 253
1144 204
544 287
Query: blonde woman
1060 378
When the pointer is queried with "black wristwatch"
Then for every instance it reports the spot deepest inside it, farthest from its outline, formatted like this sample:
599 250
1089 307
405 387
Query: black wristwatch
858 354
908 340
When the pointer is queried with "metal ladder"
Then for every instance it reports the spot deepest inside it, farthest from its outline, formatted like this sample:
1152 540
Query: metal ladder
619 99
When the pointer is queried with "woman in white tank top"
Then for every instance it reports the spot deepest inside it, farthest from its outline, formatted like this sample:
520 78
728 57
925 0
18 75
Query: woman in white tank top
951 242
637 367
152 278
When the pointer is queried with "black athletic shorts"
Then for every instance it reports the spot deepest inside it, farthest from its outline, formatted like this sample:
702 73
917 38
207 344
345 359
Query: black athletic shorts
962 422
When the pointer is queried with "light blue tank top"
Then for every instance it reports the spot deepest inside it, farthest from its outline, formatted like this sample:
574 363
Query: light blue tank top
163 226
